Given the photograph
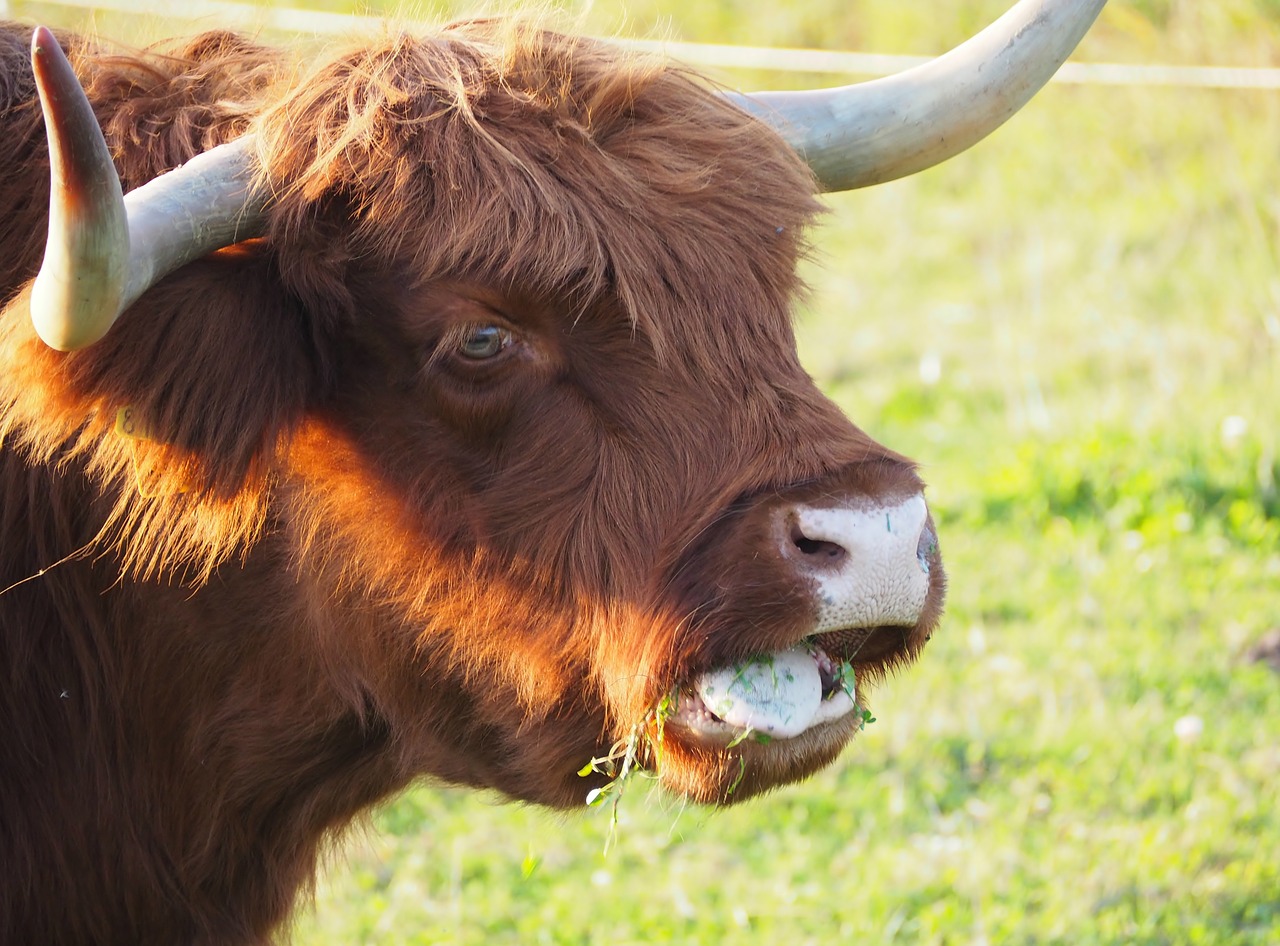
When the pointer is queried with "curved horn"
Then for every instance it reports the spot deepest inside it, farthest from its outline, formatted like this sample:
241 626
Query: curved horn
104 250
876 131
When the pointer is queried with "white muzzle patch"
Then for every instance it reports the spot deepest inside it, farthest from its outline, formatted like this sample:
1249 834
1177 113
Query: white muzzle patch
882 577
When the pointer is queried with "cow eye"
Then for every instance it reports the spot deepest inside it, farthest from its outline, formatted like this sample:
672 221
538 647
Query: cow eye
484 341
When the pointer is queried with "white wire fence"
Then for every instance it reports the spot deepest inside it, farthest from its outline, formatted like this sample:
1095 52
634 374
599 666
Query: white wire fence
225 13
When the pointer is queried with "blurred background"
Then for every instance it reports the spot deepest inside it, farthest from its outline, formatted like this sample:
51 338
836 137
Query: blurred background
1075 327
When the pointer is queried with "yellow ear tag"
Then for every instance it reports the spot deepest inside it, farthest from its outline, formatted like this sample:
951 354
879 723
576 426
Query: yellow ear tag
129 425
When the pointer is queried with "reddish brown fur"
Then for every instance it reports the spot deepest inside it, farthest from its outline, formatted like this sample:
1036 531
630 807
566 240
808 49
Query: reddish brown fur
361 558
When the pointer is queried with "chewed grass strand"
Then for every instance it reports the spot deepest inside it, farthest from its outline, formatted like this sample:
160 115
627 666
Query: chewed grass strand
622 763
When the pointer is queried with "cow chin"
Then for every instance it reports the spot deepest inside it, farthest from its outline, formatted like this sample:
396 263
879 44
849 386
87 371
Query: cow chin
763 721
710 773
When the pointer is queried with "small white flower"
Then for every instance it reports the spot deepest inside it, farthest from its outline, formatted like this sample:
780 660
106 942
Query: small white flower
1188 728
1233 429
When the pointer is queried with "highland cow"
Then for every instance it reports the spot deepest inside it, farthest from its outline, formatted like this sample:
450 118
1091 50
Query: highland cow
433 411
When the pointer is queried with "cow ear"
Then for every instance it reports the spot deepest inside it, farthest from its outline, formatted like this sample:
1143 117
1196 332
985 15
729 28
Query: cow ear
217 363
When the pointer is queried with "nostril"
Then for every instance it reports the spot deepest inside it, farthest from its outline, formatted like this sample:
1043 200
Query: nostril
816 551
926 548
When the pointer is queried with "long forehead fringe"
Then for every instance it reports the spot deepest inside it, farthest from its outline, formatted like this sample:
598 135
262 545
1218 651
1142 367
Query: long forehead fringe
498 148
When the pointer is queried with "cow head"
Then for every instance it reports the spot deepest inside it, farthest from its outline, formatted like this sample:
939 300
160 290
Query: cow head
504 381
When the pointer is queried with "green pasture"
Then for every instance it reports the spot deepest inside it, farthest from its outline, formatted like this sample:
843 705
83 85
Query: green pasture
1075 327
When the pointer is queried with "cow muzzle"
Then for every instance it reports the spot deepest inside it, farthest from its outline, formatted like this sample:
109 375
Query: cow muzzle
873 573
869 563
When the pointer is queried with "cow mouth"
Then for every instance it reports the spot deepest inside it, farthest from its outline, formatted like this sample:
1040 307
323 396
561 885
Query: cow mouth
783 694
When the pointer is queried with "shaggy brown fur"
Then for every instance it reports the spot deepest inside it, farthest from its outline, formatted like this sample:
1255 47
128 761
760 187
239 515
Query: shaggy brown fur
349 555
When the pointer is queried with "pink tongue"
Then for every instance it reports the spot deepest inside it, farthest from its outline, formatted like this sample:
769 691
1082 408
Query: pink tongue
779 694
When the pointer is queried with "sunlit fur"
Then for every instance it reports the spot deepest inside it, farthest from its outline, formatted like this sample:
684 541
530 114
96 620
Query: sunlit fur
346 556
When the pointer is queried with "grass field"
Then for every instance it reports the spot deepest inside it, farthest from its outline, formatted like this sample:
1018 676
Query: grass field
1076 328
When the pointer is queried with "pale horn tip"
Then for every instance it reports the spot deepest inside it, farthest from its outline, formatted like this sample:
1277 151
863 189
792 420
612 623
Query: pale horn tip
76 295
